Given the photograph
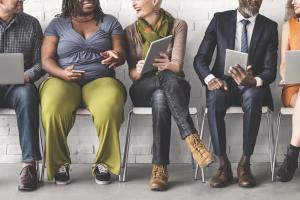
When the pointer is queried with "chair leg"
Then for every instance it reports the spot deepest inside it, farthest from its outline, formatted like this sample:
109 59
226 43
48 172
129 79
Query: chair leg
197 166
276 145
271 147
126 148
43 148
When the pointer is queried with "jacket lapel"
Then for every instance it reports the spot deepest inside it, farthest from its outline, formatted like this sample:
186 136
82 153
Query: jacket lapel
231 31
257 31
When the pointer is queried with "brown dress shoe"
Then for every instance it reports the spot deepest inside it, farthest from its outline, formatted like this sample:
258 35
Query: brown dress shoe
202 156
159 178
245 177
28 179
222 178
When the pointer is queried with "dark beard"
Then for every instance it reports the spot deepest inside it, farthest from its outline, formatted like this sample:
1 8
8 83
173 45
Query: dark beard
245 10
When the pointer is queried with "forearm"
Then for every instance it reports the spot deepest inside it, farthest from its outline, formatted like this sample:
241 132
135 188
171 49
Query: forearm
51 66
35 72
134 75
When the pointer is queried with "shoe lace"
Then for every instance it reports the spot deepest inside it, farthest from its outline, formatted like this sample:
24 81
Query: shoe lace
26 171
63 169
102 168
160 171
198 145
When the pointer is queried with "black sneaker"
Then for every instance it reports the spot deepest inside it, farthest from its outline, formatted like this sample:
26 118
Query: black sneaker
287 169
102 174
62 176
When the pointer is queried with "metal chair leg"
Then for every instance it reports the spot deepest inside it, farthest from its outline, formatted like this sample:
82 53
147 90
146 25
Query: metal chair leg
43 148
197 166
276 145
268 116
126 148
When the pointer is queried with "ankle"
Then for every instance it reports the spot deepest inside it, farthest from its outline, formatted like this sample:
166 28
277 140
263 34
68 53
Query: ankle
32 163
224 161
245 160
293 151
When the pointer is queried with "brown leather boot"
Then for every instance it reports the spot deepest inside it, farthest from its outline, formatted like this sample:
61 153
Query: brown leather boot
202 156
245 177
28 179
223 177
159 178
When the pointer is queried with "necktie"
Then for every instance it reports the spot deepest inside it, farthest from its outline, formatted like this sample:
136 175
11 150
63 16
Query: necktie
244 40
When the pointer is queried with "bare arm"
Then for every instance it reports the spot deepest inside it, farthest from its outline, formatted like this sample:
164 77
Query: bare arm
285 46
49 56
116 56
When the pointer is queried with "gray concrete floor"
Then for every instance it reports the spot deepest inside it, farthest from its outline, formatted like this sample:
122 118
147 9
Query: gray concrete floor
181 186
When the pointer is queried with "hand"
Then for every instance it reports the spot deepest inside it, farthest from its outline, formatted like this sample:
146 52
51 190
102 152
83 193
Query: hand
26 79
241 76
70 75
216 84
139 68
110 58
162 62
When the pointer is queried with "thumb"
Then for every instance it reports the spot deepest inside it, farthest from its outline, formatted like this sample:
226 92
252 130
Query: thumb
249 67
225 85
70 67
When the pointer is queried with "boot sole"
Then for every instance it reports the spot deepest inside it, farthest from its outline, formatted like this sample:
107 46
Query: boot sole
207 163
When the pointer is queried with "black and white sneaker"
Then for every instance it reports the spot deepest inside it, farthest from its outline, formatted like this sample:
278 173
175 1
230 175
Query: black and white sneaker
62 176
102 174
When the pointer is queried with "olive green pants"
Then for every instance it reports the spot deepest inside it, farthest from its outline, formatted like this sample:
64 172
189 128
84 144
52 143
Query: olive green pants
103 97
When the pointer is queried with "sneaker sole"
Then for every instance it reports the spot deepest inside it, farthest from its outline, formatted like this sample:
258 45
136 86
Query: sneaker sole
207 163
63 182
102 182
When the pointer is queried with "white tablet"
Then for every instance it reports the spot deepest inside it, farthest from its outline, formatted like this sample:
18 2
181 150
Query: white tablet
11 68
292 67
156 47
233 58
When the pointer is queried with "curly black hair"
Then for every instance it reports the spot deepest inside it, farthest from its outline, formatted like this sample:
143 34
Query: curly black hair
69 8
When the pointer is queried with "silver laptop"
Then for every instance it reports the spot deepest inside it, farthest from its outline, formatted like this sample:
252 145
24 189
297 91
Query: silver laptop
11 68
292 65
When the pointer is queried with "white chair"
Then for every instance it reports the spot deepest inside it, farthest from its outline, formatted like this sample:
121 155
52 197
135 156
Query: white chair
238 110
147 111
283 111
79 112
8 112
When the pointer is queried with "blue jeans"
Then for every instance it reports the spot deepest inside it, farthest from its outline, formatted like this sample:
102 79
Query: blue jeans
168 94
24 99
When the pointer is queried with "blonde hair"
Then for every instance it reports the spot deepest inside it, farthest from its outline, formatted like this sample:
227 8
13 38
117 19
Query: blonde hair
290 11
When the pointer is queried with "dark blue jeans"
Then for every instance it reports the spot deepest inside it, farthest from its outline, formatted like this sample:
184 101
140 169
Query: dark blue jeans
24 99
250 98
168 94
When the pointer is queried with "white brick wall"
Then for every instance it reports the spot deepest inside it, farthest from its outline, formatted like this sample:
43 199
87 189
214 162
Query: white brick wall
83 141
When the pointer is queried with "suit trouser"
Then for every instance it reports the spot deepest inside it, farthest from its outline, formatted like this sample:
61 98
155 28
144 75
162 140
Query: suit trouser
168 94
250 99
103 97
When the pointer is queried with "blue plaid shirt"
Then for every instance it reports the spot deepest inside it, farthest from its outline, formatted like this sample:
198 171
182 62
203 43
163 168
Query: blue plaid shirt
24 35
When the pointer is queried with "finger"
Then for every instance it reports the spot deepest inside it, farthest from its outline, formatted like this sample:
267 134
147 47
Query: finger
161 60
107 61
241 71
249 67
164 55
114 55
225 86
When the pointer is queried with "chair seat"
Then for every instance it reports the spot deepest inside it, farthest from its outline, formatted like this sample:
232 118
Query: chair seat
287 111
239 110
148 110
7 111
82 111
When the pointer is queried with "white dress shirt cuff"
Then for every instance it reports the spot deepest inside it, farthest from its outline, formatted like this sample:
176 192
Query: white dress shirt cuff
209 78
259 81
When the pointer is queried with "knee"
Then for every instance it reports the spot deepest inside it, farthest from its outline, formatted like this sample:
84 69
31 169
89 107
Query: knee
27 95
216 99
253 97
158 100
